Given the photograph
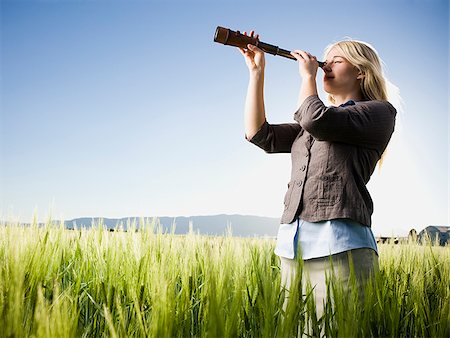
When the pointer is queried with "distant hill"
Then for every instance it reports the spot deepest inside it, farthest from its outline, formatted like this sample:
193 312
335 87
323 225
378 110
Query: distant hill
240 225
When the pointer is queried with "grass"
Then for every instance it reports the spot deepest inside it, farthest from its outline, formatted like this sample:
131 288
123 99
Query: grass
94 283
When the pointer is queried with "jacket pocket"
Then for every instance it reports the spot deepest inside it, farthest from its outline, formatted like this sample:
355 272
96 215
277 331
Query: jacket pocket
329 190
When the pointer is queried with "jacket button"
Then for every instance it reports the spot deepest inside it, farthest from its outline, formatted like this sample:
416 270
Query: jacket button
303 167
299 183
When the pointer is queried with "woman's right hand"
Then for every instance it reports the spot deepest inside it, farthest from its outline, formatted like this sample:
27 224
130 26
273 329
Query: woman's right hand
254 57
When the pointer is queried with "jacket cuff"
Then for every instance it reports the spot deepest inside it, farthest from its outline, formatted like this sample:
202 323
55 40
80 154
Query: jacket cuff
260 134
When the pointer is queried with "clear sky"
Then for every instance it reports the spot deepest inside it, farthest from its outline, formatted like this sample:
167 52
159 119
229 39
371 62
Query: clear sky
128 108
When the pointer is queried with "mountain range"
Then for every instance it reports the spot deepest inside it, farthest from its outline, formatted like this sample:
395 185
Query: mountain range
216 225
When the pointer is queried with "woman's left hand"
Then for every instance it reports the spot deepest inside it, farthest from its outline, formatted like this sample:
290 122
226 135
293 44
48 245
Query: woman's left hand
307 63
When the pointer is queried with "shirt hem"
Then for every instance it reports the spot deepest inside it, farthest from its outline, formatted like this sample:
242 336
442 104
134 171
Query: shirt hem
279 254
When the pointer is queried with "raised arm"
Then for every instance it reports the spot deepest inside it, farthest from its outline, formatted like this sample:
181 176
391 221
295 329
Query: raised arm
308 66
271 138
255 115
368 124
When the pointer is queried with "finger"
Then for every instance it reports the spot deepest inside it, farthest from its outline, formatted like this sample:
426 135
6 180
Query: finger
296 55
301 54
254 48
252 33
299 51
311 56
307 54
245 51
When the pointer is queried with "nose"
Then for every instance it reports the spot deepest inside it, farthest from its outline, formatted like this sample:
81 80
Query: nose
326 68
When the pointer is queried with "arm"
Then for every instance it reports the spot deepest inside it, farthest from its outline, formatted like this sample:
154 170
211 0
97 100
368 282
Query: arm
255 115
276 138
307 65
367 124
270 138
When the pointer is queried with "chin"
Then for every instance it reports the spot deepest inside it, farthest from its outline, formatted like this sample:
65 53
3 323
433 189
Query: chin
327 89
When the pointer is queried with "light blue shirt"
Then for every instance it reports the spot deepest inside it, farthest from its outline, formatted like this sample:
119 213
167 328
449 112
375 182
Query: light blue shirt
321 239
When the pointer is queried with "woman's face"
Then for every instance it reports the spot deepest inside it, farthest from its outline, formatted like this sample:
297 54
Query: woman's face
341 77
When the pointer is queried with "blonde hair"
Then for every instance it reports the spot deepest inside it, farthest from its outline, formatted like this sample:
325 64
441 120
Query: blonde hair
365 58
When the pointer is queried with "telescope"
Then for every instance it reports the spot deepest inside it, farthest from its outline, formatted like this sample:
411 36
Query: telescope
231 38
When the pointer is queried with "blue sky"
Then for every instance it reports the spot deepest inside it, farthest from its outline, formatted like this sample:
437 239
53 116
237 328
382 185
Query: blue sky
128 108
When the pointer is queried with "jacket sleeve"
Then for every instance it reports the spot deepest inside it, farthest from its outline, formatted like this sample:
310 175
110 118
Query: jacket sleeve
368 124
276 138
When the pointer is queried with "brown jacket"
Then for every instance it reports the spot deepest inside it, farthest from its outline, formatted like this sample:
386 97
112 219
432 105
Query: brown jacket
334 152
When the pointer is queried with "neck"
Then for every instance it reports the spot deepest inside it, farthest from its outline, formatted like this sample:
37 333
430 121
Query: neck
340 99
354 94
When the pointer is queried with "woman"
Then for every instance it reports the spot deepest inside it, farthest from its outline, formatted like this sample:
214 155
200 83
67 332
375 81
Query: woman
334 152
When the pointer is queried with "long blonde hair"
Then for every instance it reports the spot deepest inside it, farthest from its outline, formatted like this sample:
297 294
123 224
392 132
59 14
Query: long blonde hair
374 84
365 58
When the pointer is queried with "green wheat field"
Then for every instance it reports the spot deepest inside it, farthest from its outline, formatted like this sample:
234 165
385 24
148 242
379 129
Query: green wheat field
143 283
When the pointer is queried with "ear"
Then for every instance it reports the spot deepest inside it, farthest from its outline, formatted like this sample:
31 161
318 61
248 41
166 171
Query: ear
360 76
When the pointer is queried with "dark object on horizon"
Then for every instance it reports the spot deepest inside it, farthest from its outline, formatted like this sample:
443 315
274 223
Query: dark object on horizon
412 235
228 37
437 234
388 240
